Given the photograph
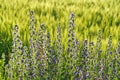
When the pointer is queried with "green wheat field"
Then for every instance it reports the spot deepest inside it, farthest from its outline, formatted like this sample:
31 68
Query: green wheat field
59 39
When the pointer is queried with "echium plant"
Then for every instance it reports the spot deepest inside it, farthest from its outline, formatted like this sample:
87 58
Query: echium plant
40 51
12 69
44 53
91 59
98 55
53 60
41 56
58 51
70 49
71 35
24 61
109 59
85 60
49 56
76 63
33 34
33 47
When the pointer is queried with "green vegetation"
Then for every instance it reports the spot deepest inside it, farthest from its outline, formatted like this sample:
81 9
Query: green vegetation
65 39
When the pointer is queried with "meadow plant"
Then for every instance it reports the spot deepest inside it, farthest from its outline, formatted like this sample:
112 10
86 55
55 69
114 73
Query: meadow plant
33 47
47 60
98 54
40 50
59 51
13 69
85 57
70 50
